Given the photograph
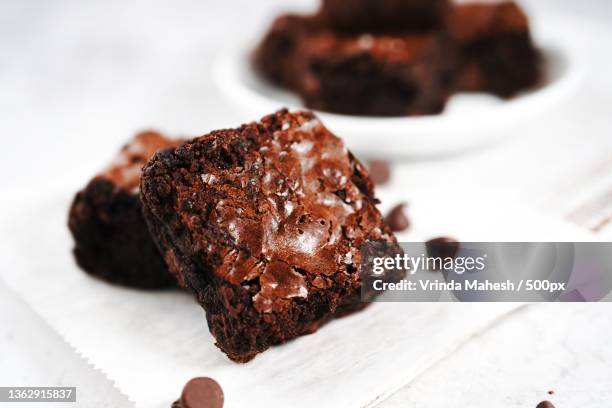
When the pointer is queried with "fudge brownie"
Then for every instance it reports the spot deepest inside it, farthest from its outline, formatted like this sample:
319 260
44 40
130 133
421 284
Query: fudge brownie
112 240
497 53
264 224
273 58
376 75
375 15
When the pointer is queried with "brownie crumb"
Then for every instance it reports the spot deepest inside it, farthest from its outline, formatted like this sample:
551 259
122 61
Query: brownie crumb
380 171
396 219
545 404
201 392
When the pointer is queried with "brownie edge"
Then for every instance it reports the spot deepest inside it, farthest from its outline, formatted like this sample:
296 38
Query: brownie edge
264 224
112 240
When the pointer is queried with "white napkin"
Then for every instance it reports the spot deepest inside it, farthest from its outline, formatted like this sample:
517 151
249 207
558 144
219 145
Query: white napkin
151 343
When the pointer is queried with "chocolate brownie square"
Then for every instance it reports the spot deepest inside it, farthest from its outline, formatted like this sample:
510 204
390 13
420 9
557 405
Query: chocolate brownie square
384 15
112 241
376 75
497 53
273 58
264 224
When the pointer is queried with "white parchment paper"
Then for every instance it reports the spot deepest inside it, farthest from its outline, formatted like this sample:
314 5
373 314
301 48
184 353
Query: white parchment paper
34 355
151 343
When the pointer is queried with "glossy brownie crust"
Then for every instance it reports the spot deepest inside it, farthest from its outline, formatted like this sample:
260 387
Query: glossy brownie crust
112 241
264 223
385 15
497 53
383 75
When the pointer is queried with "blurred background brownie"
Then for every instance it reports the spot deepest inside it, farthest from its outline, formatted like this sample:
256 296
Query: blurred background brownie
358 16
497 53
399 57
274 57
380 75
112 241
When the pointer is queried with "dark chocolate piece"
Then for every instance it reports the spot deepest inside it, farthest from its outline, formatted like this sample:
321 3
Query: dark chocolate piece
201 392
497 53
442 247
396 219
112 241
359 16
376 75
264 224
380 171
545 404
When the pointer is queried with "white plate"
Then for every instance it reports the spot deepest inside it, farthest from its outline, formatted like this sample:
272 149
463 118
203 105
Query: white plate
469 120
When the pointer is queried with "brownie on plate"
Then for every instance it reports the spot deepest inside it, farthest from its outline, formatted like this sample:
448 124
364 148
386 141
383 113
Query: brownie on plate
375 15
376 75
264 224
112 240
497 53
274 56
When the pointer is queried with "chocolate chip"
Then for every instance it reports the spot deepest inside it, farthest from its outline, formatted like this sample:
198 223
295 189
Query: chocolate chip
545 404
442 247
380 171
396 219
201 392
551 392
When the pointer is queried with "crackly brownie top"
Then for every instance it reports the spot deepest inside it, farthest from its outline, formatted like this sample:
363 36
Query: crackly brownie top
468 22
126 168
280 202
